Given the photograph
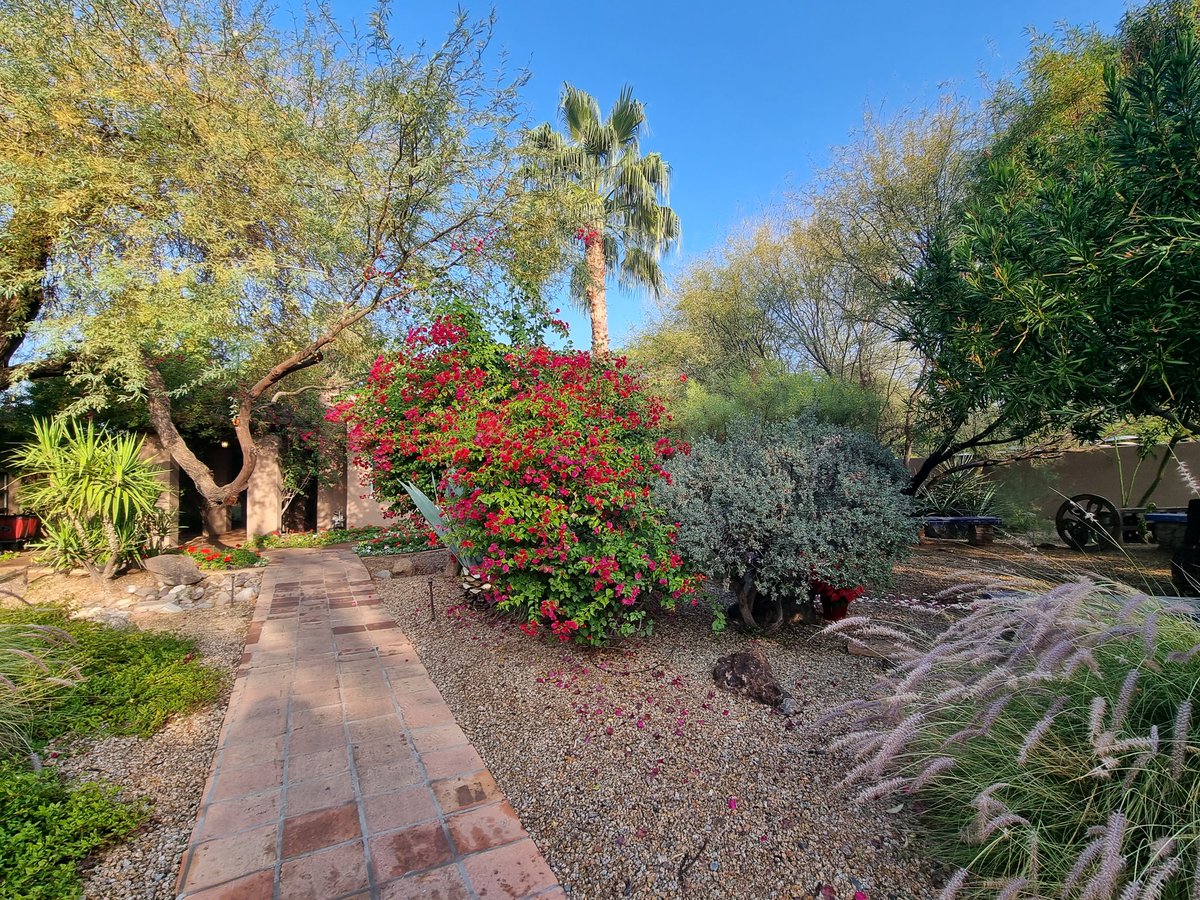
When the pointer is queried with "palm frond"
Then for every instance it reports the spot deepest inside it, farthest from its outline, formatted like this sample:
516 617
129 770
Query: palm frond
639 269
626 118
579 110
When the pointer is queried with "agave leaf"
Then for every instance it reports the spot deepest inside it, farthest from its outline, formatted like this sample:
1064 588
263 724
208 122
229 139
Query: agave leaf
433 515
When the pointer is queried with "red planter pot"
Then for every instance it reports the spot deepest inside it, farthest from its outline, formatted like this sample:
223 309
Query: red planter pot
18 528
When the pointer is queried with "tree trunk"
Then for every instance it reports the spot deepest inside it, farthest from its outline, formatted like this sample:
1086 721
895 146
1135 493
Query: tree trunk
158 403
597 301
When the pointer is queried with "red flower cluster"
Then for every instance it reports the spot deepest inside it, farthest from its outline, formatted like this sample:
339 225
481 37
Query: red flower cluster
588 236
548 460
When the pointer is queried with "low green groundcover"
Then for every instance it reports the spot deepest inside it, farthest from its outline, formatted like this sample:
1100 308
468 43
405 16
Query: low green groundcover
46 827
125 682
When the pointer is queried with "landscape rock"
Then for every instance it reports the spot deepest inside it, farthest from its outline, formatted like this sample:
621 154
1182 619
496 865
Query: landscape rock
382 574
170 608
749 674
426 562
173 569
245 595
112 618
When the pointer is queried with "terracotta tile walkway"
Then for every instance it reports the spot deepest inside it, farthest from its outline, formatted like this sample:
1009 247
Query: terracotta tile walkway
341 772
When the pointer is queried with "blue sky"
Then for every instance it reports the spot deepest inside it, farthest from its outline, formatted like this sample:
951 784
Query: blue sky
745 99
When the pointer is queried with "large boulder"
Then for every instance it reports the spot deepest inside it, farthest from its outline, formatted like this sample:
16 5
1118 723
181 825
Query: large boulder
172 569
749 674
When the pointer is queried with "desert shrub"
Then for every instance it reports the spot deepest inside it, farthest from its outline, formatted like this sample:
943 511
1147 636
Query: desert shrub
710 407
545 463
94 492
776 509
46 826
1051 742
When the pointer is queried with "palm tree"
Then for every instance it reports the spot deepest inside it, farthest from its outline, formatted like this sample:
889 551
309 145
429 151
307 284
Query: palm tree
615 197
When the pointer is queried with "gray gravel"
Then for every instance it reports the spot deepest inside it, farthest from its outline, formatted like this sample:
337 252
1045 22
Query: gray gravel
169 769
637 778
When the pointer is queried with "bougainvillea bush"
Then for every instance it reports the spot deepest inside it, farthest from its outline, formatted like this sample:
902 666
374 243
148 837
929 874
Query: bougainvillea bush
545 463
1050 742
790 512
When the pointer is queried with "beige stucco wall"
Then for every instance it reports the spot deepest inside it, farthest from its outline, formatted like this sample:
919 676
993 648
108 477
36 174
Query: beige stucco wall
1045 484
264 493
362 509
168 474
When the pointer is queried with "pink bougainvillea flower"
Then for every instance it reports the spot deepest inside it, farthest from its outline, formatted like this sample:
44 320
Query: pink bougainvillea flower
733 802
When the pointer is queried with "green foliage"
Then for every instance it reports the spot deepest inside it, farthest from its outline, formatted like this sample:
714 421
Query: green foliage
47 827
771 395
1066 301
1051 742
128 682
61 677
611 195
392 541
789 504
324 538
960 490
546 465
94 492
213 560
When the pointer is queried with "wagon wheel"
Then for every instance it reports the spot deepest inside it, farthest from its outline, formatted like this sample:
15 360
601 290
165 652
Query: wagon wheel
1088 522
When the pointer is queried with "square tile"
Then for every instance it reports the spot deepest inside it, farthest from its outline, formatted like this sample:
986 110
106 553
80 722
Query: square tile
439 737
238 754
453 794
318 793
259 886
219 860
317 738
305 766
399 809
484 827
409 850
329 873
513 870
384 778
454 761
442 883
323 828
230 816
248 780
304 716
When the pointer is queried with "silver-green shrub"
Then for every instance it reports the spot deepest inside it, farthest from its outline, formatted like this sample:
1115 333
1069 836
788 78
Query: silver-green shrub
775 508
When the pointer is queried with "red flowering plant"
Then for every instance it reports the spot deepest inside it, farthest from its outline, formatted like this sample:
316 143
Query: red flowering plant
546 462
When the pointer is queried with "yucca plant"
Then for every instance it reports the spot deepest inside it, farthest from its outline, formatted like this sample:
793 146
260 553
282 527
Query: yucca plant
95 494
1050 741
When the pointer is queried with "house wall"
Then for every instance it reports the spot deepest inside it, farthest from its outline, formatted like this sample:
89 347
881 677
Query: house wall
362 509
264 493
1097 471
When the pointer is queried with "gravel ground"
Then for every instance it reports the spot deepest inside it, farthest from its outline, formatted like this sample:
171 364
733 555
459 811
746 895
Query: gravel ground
637 778
169 768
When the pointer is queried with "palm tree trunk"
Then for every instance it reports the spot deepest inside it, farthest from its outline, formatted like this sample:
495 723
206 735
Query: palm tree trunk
596 299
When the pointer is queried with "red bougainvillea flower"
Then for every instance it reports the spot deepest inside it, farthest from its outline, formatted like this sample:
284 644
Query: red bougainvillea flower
547 462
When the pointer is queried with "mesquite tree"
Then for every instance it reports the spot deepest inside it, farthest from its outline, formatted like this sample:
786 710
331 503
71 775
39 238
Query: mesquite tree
188 180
